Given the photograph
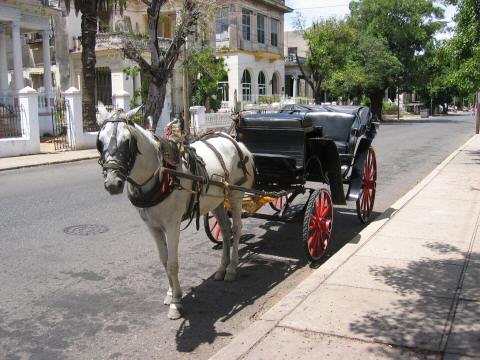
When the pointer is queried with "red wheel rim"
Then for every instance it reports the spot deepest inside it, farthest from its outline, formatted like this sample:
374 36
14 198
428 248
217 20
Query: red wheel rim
279 203
214 228
320 227
366 198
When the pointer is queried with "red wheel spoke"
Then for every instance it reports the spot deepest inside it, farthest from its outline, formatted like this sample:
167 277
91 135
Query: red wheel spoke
218 233
214 225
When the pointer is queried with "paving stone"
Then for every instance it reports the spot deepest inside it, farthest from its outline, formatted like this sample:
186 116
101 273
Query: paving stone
405 320
470 289
400 276
396 247
288 344
465 336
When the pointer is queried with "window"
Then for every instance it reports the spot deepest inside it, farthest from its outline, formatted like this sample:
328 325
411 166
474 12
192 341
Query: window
223 89
103 84
246 86
261 29
246 24
275 31
262 85
275 84
221 26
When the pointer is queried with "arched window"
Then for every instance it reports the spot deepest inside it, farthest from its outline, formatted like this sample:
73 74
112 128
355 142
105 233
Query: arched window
262 84
275 84
246 86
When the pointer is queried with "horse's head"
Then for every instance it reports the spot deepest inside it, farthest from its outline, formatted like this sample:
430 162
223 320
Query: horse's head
117 145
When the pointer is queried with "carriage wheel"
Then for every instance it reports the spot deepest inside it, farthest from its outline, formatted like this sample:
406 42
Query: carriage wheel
212 228
317 224
366 198
279 203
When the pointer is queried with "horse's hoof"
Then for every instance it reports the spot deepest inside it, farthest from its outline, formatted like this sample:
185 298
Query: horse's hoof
167 300
230 276
175 311
219 275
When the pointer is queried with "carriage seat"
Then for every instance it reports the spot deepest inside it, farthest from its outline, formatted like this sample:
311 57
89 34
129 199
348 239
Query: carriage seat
336 126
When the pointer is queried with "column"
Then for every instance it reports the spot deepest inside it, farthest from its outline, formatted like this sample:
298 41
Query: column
121 100
3 64
73 99
295 86
28 102
17 56
47 70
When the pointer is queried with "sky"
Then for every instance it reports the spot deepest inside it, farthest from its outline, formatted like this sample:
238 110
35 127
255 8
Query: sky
316 9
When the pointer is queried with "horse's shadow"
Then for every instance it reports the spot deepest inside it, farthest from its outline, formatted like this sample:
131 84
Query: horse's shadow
265 261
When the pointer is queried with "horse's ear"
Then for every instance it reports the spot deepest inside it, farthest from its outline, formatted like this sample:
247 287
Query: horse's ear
102 115
133 112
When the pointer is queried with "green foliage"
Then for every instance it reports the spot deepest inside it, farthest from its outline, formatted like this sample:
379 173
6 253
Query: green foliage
465 46
329 42
406 26
390 108
269 99
205 71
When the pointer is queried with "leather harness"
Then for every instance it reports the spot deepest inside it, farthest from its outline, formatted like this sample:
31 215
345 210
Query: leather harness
172 157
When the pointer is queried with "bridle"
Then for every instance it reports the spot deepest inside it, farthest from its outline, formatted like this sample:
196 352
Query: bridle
125 160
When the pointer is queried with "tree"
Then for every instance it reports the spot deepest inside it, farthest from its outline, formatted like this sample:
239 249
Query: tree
162 62
206 70
371 68
329 41
406 27
465 46
91 11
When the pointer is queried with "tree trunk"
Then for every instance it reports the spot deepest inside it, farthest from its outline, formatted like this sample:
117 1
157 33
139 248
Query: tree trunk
155 102
89 32
376 105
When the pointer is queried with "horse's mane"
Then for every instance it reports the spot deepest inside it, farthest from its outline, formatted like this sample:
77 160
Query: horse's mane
147 134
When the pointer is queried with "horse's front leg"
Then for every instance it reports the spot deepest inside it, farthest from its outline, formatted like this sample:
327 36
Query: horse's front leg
159 236
236 209
173 235
225 227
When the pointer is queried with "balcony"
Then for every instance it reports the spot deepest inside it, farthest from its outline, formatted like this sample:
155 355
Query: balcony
291 59
116 40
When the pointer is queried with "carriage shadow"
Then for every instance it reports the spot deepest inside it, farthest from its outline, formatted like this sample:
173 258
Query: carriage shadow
271 252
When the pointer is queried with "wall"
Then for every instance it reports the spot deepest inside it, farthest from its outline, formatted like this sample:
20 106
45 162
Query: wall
237 63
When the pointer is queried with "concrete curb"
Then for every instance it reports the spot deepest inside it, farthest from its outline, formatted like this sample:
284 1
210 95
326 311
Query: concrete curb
52 162
252 335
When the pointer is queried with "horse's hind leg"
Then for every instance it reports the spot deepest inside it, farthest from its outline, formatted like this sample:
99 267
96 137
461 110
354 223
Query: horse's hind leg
159 237
236 209
225 228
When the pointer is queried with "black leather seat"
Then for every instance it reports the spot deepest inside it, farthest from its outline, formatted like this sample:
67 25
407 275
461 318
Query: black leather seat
336 126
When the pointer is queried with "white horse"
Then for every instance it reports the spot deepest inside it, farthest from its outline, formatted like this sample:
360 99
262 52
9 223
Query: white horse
130 153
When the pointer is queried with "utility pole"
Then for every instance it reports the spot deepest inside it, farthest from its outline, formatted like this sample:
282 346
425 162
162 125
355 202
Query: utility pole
398 104
186 90
477 113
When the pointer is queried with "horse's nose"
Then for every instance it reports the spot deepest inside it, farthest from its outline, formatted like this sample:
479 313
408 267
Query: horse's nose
114 186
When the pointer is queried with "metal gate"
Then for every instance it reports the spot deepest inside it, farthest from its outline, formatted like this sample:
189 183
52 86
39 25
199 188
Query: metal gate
59 125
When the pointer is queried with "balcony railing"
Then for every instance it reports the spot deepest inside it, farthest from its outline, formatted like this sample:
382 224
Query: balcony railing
291 59
118 39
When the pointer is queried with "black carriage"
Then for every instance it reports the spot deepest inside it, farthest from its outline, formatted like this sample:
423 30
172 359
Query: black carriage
310 143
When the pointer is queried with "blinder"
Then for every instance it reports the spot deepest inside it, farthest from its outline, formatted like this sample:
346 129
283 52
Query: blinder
127 152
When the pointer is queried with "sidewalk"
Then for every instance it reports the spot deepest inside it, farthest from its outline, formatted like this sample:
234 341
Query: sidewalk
17 162
408 286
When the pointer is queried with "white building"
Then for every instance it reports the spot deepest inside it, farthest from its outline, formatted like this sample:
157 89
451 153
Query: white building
26 53
249 35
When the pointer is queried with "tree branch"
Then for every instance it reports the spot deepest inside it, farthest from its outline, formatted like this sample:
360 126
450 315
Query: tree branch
131 52
189 19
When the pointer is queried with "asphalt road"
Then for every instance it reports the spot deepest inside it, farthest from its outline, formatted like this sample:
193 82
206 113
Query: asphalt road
80 277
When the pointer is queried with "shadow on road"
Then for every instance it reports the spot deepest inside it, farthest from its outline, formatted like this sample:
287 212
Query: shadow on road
266 261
